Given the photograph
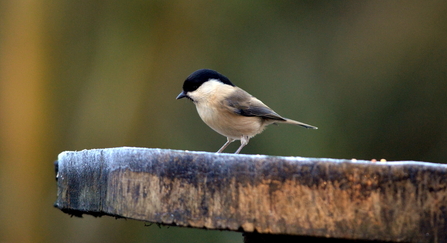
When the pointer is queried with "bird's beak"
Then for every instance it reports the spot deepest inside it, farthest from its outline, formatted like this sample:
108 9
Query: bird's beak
182 95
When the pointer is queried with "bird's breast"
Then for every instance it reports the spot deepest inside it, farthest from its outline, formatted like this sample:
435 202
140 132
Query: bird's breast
227 123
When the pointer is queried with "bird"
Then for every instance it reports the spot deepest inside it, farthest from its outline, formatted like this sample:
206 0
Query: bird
228 109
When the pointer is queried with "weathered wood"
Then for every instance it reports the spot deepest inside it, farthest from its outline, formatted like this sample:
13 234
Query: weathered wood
386 201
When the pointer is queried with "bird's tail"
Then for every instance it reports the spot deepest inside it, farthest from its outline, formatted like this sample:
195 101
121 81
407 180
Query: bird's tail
293 122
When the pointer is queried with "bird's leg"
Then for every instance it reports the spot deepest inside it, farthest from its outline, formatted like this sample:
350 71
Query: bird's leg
244 141
229 140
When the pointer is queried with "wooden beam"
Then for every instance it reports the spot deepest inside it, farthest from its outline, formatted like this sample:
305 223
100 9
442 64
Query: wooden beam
384 201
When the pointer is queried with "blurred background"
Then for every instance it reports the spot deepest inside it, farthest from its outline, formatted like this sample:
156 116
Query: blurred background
372 75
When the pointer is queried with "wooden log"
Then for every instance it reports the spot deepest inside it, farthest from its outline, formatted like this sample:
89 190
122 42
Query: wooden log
383 201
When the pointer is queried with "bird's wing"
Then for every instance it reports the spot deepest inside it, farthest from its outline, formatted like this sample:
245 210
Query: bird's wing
242 103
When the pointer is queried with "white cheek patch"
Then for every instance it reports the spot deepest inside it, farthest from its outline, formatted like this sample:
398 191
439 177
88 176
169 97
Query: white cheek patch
206 90
210 86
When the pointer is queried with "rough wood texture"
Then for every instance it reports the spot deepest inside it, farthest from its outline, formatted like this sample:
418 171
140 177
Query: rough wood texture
386 201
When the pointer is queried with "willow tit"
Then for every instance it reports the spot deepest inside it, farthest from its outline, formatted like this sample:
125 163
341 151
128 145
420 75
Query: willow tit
228 109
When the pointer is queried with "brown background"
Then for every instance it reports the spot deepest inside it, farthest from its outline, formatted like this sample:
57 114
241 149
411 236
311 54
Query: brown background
93 74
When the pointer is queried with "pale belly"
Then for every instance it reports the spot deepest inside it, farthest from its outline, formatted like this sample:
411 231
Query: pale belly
231 125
